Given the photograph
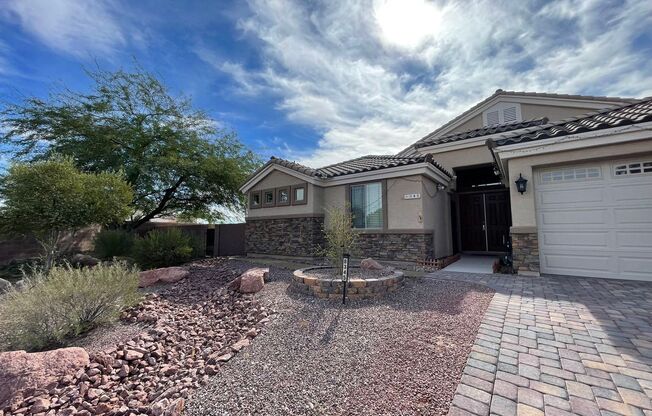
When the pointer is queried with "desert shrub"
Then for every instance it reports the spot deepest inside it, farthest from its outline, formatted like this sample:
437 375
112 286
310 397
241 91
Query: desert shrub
54 308
163 248
113 243
339 235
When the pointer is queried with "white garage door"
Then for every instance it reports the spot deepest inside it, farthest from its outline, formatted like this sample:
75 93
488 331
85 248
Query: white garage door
596 219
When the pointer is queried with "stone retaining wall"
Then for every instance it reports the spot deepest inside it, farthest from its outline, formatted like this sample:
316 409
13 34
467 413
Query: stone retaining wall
525 253
299 236
355 289
395 246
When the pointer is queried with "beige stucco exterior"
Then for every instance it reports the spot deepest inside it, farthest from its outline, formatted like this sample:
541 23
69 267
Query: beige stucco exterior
523 206
278 179
553 113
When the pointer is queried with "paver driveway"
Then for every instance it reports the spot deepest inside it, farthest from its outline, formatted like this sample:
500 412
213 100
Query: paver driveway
559 346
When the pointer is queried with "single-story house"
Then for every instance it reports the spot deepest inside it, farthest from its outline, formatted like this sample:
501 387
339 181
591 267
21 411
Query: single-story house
585 210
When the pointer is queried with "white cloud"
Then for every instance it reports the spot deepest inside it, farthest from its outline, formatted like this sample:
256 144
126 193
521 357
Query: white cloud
374 76
77 27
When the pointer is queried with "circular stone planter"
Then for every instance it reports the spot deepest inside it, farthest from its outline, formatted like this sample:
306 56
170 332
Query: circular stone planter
355 289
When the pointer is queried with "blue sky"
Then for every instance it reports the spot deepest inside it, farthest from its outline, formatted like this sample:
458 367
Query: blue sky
319 82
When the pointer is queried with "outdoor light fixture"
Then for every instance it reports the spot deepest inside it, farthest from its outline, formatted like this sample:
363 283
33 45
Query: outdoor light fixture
440 187
345 275
521 184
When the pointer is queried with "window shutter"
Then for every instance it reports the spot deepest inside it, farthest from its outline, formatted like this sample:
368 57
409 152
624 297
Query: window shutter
492 118
509 114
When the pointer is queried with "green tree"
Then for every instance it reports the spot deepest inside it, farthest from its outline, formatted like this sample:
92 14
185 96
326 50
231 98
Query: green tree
51 199
175 157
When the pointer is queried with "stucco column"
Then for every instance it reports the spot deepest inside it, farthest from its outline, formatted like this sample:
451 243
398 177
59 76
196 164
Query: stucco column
525 242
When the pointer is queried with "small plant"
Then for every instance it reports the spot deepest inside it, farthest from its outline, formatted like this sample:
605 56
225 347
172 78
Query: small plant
340 236
113 243
163 248
54 308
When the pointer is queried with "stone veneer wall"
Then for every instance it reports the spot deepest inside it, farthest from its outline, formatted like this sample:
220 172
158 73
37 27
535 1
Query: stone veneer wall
395 246
298 236
355 288
525 252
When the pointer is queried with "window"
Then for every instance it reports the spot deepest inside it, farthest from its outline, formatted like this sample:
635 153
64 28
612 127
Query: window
570 174
367 205
633 168
268 198
299 195
502 113
283 196
254 199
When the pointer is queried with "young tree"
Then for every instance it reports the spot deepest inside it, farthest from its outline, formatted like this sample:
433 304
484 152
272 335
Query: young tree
175 157
52 199
339 235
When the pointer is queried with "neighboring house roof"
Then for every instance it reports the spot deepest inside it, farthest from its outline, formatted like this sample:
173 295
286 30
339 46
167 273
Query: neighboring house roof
484 131
639 112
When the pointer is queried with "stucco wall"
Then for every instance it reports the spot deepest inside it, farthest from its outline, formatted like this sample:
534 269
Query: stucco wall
404 214
437 217
530 111
471 156
277 179
523 206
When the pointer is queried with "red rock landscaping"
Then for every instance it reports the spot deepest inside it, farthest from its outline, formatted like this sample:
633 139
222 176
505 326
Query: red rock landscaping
194 327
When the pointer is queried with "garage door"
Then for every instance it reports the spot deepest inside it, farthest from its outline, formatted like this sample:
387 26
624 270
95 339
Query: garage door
596 219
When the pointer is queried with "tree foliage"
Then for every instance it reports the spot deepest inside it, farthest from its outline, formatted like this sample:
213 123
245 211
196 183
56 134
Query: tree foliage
52 198
175 157
339 235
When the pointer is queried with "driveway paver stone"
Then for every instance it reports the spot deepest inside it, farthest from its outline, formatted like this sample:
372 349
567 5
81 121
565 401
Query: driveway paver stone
559 346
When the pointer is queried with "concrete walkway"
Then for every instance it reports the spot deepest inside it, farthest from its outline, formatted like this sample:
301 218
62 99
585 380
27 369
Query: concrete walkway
559 346
469 263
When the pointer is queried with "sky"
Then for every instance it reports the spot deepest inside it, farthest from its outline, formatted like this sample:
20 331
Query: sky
320 82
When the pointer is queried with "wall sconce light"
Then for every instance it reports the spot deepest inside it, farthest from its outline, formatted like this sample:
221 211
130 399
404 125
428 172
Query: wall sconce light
440 187
521 184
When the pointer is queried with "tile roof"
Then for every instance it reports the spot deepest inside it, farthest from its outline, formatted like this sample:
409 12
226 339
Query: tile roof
500 92
484 131
357 165
639 112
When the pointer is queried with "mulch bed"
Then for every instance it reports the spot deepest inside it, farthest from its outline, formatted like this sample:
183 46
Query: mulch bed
402 355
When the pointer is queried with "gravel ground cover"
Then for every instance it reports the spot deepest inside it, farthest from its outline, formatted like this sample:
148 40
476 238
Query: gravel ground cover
402 355
354 273
167 346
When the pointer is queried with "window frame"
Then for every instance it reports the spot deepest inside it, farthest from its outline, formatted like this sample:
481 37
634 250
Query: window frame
278 199
251 200
264 202
383 199
294 188
618 172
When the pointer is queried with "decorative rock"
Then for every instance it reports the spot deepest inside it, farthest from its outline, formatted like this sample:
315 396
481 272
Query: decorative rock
21 371
371 264
253 280
4 285
240 344
163 275
131 355
84 260
40 405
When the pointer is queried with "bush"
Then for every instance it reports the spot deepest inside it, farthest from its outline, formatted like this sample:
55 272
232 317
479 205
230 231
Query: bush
163 248
65 303
113 243
340 236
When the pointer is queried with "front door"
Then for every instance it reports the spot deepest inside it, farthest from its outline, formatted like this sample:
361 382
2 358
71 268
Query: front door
485 218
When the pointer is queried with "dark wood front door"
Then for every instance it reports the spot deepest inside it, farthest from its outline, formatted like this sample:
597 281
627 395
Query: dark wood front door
485 218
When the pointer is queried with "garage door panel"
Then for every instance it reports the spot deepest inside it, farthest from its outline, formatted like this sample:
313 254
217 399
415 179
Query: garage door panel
578 216
577 262
634 239
571 196
595 227
639 216
633 192
574 238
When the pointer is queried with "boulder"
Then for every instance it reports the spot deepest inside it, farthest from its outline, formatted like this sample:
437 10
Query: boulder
22 372
4 286
253 280
164 275
84 260
371 264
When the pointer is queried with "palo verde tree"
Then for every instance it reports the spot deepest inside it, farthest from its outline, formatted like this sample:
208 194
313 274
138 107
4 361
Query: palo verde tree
175 157
52 199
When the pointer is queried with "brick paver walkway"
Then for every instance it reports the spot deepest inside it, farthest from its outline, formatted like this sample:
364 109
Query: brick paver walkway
559 346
